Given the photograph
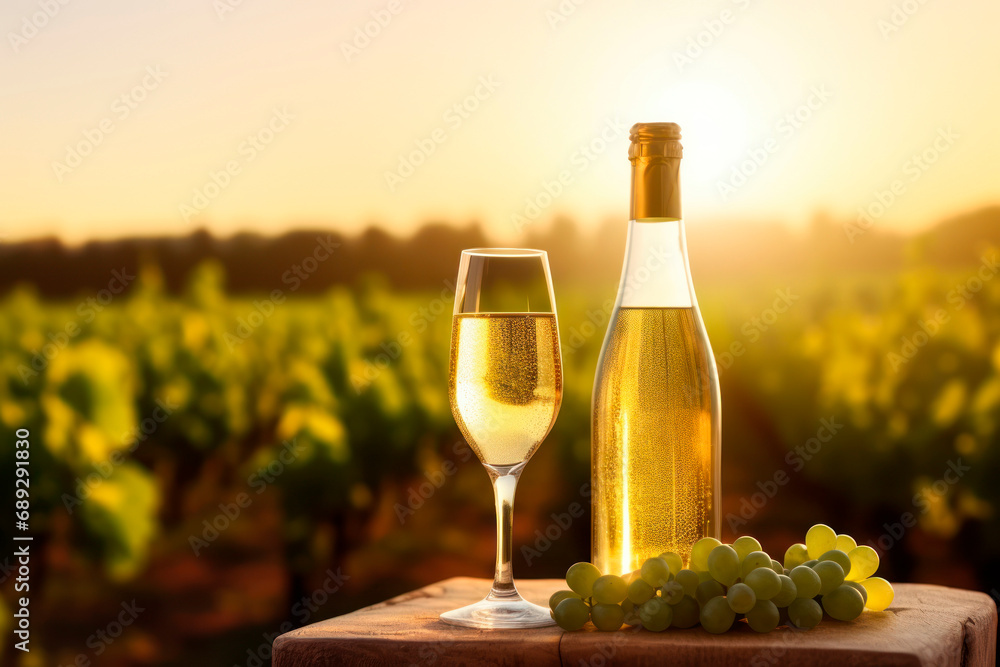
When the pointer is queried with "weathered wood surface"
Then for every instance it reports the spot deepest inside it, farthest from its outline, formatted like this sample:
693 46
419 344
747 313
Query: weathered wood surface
931 626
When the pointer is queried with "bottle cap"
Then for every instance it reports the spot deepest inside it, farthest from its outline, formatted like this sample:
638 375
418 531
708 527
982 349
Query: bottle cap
653 140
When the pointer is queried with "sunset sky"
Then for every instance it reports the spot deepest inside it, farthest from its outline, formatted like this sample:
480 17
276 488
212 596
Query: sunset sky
115 114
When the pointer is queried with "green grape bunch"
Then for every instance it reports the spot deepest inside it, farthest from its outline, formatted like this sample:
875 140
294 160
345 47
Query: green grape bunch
726 584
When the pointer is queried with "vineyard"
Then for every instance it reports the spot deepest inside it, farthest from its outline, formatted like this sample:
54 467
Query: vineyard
220 458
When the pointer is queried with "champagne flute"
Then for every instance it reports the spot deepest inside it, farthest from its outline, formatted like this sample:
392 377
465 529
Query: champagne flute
505 388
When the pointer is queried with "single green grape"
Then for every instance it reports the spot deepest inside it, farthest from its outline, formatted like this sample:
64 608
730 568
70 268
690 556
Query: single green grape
820 539
764 616
631 612
787 593
810 563
707 590
795 555
859 588
656 615
607 617
753 561
806 580
724 564
830 574
805 613
674 561
610 589
689 580
746 545
639 591
703 575
741 598
558 597
581 577
776 566
700 551
686 613
655 572
765 582
864 563
843 603
880 593
845 543
838 557
672 592
571 614
716 616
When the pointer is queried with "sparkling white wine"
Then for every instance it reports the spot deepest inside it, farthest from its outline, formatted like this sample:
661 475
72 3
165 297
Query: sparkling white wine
652 439
505 382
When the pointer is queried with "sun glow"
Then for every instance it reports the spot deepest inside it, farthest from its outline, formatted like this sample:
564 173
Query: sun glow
715 127
554 93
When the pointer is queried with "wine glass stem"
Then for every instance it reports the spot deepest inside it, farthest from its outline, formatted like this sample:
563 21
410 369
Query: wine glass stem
504 484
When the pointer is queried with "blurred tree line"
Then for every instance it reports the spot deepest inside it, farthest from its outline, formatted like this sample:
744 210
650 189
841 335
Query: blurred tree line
719 252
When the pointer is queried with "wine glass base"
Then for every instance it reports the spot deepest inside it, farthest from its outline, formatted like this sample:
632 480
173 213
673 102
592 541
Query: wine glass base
497 613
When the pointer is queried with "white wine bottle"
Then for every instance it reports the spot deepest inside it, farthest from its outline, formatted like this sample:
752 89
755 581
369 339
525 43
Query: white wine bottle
656 413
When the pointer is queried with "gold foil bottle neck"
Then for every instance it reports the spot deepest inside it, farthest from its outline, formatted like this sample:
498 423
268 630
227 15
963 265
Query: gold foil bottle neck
655 140
655 154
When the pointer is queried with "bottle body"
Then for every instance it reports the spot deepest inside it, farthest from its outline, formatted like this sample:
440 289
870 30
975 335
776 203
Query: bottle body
656 411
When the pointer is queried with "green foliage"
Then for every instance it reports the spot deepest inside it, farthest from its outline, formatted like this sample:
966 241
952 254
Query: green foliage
154 394
120 516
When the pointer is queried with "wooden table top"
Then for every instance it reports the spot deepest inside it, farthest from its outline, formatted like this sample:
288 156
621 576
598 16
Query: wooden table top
926 625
